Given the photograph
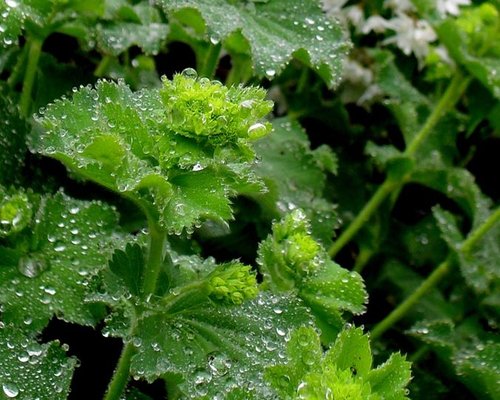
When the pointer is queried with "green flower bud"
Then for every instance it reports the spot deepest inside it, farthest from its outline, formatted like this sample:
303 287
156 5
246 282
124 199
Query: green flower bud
233 283
301 250
202 109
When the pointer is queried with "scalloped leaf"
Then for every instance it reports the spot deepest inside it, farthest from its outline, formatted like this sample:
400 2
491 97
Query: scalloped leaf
29 370
179 152
216 350
46 272
343 372
276 31
291 260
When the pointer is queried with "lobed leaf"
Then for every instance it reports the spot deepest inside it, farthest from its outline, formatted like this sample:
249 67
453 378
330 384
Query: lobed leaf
275 30
29 370
179 152
291 260
45 271
343 372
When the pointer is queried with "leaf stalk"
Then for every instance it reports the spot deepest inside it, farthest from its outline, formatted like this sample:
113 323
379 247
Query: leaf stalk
448 100
434 278
35 49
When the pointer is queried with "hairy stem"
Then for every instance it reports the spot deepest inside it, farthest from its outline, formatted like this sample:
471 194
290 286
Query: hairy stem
121 374
433 279
211 61
364 215
35 49
400 311
455 89
157 237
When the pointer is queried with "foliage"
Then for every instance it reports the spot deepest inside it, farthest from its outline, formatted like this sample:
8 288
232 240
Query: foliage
227 188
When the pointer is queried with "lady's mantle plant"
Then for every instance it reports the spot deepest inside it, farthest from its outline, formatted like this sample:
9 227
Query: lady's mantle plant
178 153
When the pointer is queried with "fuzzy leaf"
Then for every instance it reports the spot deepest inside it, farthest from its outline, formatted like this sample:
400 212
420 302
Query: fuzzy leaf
479 368
29 370
291 259
479 264
344 372
296 177
179 151
46 271
276 31
216 349
129 266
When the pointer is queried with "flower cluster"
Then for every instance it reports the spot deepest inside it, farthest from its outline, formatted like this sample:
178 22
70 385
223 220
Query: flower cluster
233 283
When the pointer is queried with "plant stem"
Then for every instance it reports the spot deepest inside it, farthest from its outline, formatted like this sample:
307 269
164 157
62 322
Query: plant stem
35 49
364 215
157 238
103 66
401 310
478 233
121 374
18 69
447 101
211 61
432 280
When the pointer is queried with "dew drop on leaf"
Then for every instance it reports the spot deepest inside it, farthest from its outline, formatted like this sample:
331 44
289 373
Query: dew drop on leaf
10 390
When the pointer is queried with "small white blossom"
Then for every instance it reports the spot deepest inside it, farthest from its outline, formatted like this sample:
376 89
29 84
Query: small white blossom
411 36
355 16
451 6
375 23
332 7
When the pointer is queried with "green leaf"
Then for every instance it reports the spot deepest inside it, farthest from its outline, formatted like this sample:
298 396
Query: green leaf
179 152
12 142
291 260
130 25
42 17
351 351
129 266
479 264
276 31
343 372
215 349
29 370
296 177
472 40
46 272
390 379
479 368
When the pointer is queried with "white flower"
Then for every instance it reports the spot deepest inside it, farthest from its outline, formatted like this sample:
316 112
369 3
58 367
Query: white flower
331 7
450 6
411 36
355 16
375 23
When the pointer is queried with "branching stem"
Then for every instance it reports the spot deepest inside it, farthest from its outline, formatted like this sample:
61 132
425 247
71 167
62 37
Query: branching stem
447 101
433 279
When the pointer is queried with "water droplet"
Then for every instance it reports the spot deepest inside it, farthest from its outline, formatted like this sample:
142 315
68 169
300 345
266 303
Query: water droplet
190 73
31 267
257 130
10 390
